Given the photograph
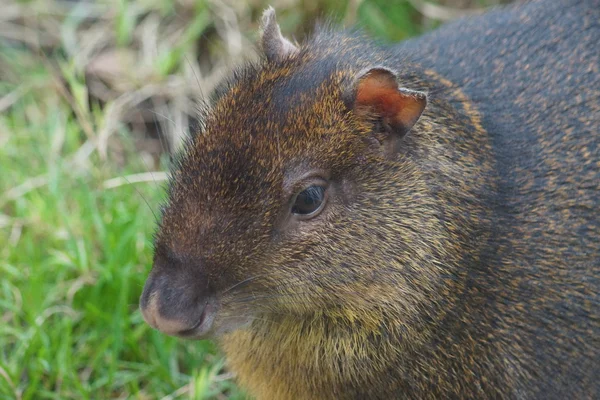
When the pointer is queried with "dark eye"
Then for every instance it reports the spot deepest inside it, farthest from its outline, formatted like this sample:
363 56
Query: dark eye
309 201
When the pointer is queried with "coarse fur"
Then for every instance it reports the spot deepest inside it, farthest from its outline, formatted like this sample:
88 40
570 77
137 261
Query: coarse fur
466 265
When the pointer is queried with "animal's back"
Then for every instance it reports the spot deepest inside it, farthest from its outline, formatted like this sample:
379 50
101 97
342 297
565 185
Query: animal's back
532 72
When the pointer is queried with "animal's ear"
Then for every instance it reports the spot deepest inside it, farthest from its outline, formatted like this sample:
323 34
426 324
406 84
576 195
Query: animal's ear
274 44
376 96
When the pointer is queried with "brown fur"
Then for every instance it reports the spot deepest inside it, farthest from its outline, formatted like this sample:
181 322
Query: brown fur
444 271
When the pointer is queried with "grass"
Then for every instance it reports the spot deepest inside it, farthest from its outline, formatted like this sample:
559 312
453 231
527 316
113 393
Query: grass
93 96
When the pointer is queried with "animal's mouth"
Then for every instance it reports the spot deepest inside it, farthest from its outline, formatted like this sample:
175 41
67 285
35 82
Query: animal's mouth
202 328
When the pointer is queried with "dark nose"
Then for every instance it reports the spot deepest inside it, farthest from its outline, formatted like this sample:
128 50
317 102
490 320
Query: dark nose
177 300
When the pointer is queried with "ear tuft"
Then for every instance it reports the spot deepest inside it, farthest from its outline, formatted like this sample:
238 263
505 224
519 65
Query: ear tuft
377 93
275 46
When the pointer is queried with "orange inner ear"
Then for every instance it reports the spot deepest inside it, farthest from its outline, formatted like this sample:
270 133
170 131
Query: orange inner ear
378 91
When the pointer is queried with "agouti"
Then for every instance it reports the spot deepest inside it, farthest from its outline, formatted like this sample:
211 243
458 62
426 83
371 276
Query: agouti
415 221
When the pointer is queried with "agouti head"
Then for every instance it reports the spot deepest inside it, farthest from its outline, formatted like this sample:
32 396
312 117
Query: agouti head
305 195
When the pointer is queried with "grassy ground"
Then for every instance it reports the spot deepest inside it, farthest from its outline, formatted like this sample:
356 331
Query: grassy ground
93 96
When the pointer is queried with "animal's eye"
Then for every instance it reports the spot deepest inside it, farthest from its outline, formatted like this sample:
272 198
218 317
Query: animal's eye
309 201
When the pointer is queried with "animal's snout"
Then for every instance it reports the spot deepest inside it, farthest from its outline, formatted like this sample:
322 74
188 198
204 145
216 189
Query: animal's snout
178 304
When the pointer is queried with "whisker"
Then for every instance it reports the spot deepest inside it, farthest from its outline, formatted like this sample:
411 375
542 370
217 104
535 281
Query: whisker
143 198
202 95
245 281
249 317
162 135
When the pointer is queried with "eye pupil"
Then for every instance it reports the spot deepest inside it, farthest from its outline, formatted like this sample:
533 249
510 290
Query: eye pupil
309 200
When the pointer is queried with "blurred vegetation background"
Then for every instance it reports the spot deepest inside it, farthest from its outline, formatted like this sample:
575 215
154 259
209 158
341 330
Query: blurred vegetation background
94 97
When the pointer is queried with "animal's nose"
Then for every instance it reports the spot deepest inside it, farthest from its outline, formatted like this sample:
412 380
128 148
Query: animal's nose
176 304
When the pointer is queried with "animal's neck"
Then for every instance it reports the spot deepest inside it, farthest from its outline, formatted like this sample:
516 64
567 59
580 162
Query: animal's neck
324 355
308 357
